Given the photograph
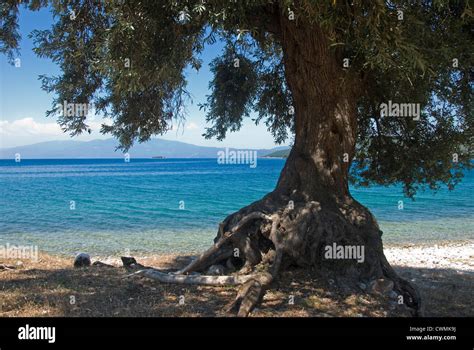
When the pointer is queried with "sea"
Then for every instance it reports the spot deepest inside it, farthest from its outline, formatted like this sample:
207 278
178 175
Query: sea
111 206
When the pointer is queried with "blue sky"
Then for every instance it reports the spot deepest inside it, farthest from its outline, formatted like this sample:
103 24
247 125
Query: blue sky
24 103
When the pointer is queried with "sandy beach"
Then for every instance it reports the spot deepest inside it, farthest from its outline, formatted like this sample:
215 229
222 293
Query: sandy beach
457 256
444 274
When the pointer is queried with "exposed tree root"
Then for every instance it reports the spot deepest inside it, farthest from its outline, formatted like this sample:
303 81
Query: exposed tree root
409 291
251 293
229 280
253 285
203 260
296 235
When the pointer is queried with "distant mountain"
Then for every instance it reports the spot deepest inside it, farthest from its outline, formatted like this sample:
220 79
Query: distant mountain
282 153
106 149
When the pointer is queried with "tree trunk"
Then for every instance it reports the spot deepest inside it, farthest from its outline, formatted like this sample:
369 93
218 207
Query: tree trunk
312 201
315 176
325 120
310 212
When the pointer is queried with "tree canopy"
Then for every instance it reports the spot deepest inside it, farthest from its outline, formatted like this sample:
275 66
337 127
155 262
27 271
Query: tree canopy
128 59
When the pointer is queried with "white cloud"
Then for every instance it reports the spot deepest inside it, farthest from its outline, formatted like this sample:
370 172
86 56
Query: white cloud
192 126
29 126
26 131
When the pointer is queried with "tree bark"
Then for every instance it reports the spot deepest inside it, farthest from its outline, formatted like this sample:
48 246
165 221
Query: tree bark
324 98
312 202
311 207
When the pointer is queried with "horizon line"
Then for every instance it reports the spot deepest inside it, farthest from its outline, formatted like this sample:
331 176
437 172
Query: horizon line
142 143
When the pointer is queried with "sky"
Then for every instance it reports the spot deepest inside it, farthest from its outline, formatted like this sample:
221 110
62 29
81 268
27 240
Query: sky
23 104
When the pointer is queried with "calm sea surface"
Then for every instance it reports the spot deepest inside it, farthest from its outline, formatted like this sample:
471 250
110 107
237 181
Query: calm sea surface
107 206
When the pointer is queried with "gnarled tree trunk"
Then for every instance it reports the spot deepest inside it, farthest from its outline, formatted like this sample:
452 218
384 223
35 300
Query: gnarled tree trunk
311 207
312 199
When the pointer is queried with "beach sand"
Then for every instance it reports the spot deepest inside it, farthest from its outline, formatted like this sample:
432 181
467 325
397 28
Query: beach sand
444 274
453 255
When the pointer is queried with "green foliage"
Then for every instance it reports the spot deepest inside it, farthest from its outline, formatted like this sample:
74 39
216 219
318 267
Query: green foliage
401 51
242 85
232 91
421 153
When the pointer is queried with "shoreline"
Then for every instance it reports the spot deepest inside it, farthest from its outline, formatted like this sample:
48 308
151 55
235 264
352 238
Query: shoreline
457 254
454 254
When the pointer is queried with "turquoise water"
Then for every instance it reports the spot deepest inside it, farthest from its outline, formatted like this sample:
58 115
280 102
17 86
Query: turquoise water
175 205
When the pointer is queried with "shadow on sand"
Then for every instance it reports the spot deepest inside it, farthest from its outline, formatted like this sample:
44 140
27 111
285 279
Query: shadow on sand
35 290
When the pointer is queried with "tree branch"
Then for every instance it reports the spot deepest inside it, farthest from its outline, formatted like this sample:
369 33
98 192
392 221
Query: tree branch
224 238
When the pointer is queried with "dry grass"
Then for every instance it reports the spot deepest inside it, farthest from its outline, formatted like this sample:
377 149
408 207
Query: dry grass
46 288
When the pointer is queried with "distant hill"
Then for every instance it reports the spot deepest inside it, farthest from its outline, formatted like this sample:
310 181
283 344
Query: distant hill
282 153
106 149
